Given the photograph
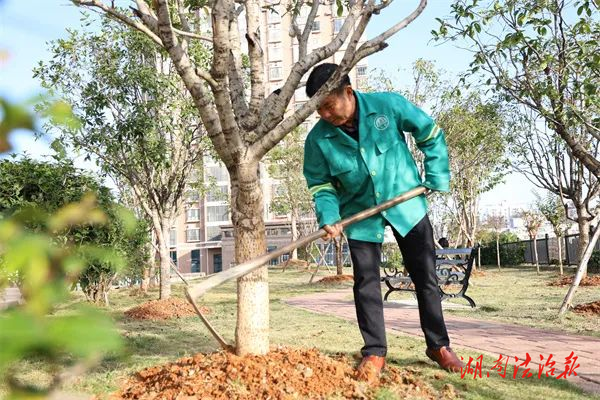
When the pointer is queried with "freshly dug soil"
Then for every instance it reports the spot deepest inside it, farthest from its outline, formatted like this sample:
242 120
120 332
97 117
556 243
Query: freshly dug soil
164 309
336 279
588 308
283 373
298 264
590 280
477 272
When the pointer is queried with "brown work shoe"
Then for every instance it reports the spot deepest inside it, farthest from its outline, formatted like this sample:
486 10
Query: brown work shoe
370 368
446 358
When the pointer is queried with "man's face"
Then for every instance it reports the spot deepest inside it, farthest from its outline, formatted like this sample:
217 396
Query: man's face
338 108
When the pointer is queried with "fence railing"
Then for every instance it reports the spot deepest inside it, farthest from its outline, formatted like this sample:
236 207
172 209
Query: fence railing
547 249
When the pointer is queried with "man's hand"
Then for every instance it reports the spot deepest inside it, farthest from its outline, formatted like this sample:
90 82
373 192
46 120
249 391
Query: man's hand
333 231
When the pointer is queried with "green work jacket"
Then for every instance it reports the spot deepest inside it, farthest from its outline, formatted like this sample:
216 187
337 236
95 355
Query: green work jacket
345 176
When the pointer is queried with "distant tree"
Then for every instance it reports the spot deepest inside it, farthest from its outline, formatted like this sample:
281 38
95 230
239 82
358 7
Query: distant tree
496 223
533 220
552 208
48 186
543 56
138 121
476 146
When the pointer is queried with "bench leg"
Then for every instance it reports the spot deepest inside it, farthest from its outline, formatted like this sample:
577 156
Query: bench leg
470 300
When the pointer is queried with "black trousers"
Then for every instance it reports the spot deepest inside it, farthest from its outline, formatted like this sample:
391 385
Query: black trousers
418 252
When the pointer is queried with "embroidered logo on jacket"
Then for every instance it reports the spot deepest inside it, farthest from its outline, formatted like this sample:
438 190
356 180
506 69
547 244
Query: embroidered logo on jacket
381 122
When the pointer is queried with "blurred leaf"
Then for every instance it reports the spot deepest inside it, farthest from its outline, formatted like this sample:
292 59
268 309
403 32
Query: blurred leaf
13 117
84 212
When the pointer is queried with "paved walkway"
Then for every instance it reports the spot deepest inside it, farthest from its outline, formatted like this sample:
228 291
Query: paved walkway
481 336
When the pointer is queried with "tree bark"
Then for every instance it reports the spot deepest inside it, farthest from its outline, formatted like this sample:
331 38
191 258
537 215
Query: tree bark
338 256
584 237
165 261
294 223
252 329
560 263
580 272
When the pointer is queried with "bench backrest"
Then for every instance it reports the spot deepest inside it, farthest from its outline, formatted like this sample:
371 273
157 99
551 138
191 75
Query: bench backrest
466 259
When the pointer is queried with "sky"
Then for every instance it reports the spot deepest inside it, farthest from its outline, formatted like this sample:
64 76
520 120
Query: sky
26 26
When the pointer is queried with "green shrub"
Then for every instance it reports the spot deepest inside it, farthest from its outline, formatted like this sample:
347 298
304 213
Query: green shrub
594 263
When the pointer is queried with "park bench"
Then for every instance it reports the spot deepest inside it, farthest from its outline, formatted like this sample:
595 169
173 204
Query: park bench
453 268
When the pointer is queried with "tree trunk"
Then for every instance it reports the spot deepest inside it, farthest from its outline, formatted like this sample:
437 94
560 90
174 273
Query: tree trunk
294 223
584 238
535 255
145 283
165 261
580 272
498 251
560 263
252 329
338 255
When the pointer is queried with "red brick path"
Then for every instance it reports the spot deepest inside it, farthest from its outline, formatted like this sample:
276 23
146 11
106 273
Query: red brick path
480 336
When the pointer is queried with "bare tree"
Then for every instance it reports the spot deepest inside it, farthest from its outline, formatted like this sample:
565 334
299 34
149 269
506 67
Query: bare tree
549 164
243 129
533 221
496 222
552 209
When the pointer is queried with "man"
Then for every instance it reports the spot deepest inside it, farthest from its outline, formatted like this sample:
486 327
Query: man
355 158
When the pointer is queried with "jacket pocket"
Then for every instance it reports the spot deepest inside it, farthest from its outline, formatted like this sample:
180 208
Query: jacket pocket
345 171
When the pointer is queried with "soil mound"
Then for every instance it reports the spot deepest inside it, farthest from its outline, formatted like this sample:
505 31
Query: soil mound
590 280
336 279
588 308
164 309
283 373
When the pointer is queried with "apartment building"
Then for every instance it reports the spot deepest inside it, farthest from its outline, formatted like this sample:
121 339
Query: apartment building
202 239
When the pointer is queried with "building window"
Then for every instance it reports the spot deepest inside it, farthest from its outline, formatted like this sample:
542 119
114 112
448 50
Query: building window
337 24
316 26
275 53
173 257
361 70
195 267
273 16
173 237
217 194
275 71
218 172
217 213
192 215
275 33
213 233
192 235
192 196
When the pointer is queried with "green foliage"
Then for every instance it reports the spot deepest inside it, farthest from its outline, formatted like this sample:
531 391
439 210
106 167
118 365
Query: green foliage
12 117
135 114
285 164
552 209
488 237
594 262
511 254
541 55
47 266
27 186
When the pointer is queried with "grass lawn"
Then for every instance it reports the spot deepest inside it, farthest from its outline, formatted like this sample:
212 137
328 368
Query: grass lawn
513 295
519 295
